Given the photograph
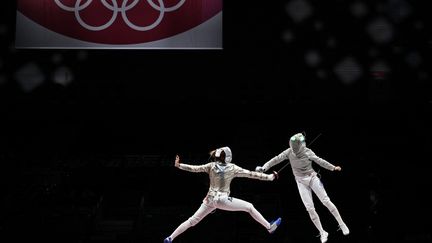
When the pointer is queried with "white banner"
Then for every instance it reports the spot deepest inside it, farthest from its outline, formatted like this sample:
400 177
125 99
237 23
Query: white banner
119 24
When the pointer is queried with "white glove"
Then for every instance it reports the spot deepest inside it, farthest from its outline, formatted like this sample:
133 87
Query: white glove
259 169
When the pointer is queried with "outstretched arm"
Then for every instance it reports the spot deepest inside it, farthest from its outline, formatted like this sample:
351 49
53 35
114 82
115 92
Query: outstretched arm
191 168
240 172
274 161
323 163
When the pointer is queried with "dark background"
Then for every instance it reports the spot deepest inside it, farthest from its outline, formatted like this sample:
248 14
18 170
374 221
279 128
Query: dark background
91 159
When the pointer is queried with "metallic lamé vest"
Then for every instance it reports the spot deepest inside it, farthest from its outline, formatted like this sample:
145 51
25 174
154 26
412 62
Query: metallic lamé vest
221 175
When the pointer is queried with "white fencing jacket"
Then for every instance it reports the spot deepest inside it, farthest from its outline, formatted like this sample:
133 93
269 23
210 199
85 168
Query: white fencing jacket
301 165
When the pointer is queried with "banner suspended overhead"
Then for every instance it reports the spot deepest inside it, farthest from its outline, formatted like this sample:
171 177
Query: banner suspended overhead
119 24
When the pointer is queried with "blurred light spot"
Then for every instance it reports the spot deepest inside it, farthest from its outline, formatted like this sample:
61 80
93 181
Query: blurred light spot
380 30
312 58
380 70
348 70
372 197
359 9
82 55
299 10
29 77
63 76
57 58
287 36
413 59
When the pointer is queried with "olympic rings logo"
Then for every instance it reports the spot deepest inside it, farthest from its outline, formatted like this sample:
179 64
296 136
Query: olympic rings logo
116 10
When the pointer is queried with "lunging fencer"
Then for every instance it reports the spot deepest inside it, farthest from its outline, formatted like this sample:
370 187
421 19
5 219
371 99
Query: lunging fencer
221 172
300 158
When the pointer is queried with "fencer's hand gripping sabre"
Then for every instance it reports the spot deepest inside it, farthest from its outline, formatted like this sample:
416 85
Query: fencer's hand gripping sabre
261 169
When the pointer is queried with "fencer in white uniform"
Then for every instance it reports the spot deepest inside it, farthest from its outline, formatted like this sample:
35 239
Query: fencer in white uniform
300 158
221 172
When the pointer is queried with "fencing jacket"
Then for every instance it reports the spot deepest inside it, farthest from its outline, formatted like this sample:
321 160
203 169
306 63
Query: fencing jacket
301 164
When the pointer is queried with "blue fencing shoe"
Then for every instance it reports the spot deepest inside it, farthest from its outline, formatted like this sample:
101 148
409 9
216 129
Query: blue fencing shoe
274 224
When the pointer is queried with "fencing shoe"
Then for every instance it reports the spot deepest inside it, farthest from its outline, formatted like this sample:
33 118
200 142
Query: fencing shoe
323 237
274 224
